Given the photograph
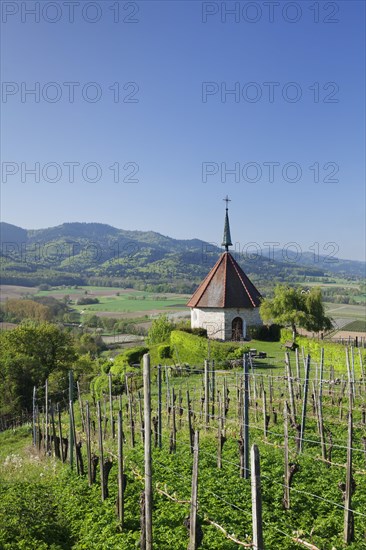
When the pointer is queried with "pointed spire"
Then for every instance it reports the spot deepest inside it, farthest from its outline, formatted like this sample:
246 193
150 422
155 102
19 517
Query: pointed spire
226 241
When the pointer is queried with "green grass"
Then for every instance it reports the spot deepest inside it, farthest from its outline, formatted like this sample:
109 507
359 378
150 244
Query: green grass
18 460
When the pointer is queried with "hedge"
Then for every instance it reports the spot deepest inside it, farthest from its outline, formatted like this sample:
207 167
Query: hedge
192 349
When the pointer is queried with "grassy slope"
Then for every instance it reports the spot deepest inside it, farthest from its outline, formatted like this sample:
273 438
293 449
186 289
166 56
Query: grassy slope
43 505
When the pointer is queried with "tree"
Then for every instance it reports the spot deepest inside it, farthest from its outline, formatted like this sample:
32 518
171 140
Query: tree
297 308
92 321
316 320
29 353
159 331
18 309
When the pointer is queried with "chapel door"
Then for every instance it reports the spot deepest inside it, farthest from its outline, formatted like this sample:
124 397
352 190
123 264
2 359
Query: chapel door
237 329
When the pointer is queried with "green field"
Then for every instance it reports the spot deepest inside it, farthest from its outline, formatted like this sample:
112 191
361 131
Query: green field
128 303
356 326
338 311
117 300
64 290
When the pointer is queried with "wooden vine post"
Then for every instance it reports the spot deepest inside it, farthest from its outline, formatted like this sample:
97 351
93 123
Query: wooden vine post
213 388
219 433
286 497
130 410
348 533
189 418
81 407
142 428
160 425
101 456
245 434
88 443
265 417
353 372
120 500
194 503
167 398
320 406
34 416
104 416
147 445
173 432
71 430
46 433
111 420
38 430
349 371
348 513
270 387
207 395
63 453
56 441
362 371
304 403
256 499
290 387
298 373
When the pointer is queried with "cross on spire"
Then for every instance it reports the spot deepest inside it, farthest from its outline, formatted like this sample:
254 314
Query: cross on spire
227 200
226 241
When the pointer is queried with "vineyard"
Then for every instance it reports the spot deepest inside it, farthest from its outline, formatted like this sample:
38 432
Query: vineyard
257 457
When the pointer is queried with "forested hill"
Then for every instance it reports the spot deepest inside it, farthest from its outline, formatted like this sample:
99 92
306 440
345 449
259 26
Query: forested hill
93 253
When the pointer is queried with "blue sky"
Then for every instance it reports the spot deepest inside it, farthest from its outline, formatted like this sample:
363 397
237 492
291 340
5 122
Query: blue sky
174 132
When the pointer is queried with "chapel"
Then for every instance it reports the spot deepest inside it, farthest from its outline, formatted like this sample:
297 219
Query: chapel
226 303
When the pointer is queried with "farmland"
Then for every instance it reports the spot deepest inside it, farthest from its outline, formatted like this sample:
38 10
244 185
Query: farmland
118 302
338 311
356 326
126 302
140 307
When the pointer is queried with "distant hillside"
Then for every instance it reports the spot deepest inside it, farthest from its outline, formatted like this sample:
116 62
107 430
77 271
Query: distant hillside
12 234
337 266
93 253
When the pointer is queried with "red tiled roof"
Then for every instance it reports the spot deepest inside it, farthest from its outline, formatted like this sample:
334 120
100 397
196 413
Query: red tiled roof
226 286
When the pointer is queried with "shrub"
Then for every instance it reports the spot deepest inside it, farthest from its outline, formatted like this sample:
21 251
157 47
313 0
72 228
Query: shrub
86 301
44 286
164 351
134 355
100 385
160 330
266 333
119 369
105 367
239 352
193 349
188 347
198 331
